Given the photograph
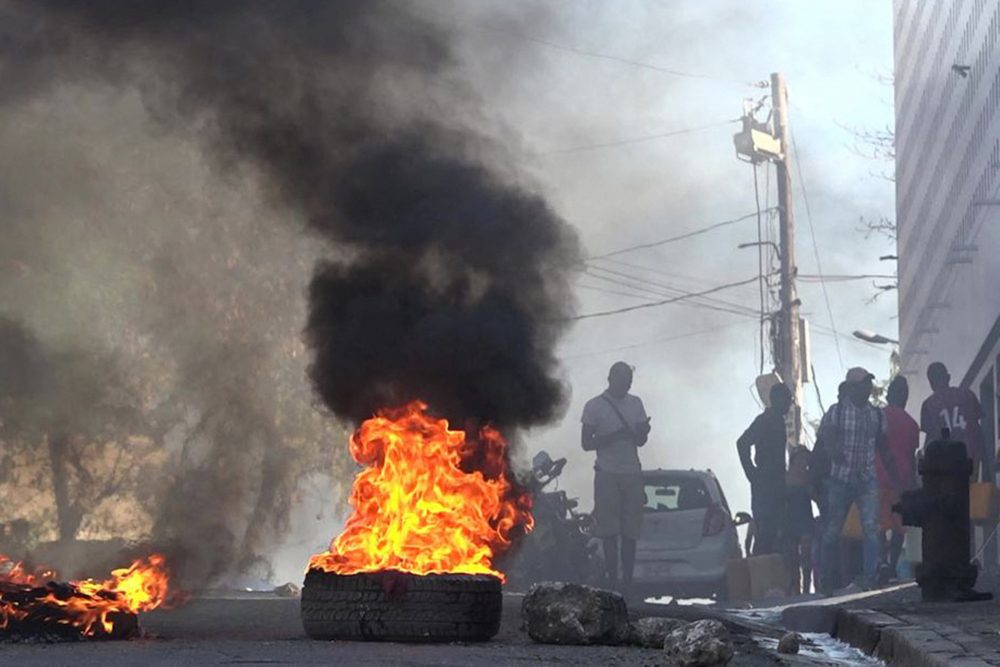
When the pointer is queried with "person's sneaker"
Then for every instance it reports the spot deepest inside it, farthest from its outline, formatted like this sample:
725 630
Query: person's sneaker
884 575
850 589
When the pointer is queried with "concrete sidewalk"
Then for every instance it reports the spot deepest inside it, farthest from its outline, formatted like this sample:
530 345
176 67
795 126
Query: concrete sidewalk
898 628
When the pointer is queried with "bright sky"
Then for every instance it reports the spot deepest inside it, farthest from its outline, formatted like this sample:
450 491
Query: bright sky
695 366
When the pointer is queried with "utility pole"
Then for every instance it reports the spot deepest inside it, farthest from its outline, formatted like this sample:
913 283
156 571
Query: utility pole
758 142
787 344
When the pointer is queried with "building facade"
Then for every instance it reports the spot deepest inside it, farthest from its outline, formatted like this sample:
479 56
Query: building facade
947 89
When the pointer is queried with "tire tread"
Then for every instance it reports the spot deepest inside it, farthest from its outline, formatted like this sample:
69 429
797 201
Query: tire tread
433 608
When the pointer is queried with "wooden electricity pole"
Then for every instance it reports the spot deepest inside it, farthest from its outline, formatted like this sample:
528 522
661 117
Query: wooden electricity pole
787 343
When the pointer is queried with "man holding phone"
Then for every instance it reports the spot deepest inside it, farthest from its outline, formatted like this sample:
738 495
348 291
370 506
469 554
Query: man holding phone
615 425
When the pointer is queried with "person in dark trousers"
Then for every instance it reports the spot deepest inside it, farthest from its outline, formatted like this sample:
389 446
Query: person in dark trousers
799 522
615 425
903 438
768 438
744 519
819 473
853 433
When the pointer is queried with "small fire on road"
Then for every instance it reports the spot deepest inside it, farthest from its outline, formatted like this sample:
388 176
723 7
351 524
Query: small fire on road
35 603
430 499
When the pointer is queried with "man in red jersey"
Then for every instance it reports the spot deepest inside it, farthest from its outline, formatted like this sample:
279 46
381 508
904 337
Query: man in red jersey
958 410
903 438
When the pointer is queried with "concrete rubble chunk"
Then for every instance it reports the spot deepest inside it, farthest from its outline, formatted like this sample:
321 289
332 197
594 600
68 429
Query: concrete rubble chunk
563 613
288 590
790 643
651 631
703 643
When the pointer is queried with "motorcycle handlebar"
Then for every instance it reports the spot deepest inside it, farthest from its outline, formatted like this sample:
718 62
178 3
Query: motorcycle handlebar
557 467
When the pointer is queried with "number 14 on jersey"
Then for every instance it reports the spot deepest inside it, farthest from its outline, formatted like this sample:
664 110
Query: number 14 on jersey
953 419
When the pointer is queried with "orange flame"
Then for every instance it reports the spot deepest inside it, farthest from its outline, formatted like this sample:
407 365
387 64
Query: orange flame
430 500
88 605
12 572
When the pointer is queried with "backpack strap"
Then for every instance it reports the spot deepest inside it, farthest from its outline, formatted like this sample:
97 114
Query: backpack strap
621 417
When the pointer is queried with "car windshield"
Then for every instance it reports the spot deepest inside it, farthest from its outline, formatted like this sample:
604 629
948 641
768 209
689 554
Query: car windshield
674 494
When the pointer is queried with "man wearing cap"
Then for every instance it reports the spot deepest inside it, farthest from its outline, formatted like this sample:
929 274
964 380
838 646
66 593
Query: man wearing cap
615 425
854 432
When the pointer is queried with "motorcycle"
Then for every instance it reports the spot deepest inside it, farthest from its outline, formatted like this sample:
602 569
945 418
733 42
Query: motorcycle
560 547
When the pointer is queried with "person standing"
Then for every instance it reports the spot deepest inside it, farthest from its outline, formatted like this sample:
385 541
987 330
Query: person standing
956 409
819 472
615 425
799 522
853 433
903 438
765 471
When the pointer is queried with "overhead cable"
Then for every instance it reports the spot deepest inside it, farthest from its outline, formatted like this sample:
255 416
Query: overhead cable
619 59
679 237
815 247
664 290
633 140
690 334
704 303
653 304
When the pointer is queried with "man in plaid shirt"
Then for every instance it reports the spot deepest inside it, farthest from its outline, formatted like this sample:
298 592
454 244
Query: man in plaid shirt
852 431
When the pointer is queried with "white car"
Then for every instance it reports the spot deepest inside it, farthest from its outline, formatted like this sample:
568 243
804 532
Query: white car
687 535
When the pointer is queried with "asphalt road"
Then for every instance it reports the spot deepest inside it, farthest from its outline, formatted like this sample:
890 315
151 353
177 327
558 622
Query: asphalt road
266 630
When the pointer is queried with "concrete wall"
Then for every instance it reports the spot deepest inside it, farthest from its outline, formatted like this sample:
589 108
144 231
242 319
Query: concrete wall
947 173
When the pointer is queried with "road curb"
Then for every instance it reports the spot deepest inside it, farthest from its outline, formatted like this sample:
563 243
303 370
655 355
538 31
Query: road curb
900 643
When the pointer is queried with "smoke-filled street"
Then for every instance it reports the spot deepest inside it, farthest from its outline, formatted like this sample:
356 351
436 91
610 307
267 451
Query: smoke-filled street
510 331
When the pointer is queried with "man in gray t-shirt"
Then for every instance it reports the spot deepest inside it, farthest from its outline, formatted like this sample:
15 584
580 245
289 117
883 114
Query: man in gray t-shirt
615 425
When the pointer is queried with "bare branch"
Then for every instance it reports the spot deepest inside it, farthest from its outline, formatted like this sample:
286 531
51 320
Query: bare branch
883 226
880 290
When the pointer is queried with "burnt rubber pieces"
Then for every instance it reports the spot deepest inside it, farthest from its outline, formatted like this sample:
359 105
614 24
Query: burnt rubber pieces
397 606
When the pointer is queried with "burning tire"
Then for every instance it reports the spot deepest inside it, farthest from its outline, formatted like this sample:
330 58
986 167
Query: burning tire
396 606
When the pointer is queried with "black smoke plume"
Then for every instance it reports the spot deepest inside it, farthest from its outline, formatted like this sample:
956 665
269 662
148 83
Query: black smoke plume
455 288
447 279
453 297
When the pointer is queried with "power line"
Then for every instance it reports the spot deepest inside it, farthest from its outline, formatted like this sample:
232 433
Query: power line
844 278
690 334
804 277
590 54
613 58
638 279
595 288
700 282
708 303
827 331
633 140
815 247
679 237
632 285
670 290
653 304
760 264
769 237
